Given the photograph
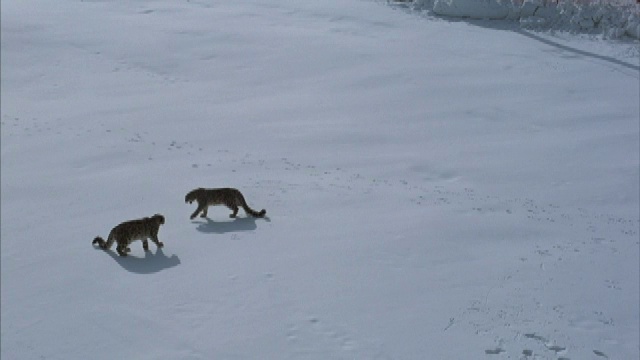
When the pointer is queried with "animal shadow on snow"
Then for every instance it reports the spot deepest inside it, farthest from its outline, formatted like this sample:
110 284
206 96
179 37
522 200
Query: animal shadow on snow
149 264
222 227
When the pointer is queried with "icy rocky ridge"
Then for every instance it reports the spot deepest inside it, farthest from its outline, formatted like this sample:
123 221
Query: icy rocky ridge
613 19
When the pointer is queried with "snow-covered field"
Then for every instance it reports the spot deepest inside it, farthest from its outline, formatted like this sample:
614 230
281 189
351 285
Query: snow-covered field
435 188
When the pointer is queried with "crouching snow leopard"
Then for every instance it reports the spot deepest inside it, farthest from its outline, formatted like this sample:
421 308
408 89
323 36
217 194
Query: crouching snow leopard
129 231
231 198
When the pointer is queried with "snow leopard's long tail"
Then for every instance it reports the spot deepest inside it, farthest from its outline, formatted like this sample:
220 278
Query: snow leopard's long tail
103 244
252 212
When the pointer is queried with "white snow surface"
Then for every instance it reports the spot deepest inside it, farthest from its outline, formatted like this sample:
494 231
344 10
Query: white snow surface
435 189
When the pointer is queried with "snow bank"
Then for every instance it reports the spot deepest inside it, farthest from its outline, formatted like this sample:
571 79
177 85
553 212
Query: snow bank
613 19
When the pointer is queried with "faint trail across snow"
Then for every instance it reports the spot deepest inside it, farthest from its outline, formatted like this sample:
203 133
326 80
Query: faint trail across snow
587 54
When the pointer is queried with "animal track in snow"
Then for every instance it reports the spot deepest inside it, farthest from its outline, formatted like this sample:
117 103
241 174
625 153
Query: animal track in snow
26 126
495 351
600 353
314 336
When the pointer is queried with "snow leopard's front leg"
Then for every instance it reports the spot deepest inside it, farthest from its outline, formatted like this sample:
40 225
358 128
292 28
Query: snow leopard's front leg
158 243
200 208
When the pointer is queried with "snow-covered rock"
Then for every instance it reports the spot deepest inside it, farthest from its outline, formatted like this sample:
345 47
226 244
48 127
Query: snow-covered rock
479 9
611 20
529 8
633 26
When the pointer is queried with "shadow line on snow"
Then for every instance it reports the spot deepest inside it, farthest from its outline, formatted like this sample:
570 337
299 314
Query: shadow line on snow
515 27
223 227
578 51
149 264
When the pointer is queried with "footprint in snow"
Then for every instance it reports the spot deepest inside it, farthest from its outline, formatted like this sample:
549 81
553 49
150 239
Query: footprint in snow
495 351
600 353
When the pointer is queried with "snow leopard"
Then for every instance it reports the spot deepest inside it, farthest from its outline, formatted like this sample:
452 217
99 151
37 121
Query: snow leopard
230 197
129 231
